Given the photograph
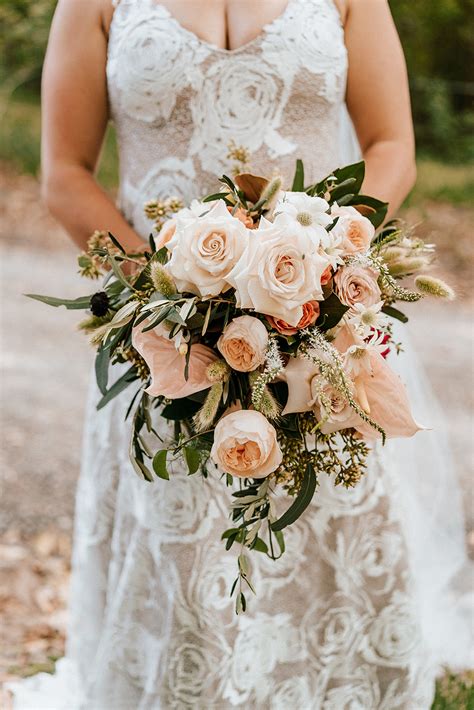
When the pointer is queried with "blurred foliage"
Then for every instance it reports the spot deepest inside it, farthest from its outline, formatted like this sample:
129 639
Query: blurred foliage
437 36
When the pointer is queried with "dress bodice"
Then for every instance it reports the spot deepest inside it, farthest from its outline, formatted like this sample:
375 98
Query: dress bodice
177 101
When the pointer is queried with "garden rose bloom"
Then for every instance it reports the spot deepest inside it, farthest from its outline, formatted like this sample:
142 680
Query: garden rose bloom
357 284
243 343
279 271
309 317
356 230
329 401
204 250
245 445
167 364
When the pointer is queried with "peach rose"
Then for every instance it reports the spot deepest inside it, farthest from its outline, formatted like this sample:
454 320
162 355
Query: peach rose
356 230
166 232
357 284
245 445
326 276
243 343
309 317
243 216
167 364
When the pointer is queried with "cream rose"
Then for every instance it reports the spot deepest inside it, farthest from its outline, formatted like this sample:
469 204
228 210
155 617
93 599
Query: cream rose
357 284
356 230
204 249
243 343
279 271
245 445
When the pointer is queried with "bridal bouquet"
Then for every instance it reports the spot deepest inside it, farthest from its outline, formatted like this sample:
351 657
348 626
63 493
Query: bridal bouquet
259 322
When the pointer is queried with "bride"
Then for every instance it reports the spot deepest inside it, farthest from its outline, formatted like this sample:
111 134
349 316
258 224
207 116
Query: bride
362 613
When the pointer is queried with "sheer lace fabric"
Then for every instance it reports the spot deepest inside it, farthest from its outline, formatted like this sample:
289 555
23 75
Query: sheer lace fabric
343 619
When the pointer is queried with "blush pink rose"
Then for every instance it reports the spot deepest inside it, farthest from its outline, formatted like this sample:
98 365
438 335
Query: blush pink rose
167 364
309 317
357 284
245 445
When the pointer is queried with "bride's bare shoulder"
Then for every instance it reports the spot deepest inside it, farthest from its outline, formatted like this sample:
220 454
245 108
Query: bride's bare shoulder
85 14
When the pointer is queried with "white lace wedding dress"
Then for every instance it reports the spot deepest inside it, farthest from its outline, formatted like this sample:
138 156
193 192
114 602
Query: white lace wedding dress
358 613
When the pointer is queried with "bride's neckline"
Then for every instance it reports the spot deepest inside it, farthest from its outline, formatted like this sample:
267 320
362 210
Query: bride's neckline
223 50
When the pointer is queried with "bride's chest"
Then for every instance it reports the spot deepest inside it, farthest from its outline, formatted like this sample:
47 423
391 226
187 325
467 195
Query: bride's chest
155 63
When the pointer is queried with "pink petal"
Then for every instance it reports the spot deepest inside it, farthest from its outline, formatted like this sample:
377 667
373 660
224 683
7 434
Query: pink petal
167 365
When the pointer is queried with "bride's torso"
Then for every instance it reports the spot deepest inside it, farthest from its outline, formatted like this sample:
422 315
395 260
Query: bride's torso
178 101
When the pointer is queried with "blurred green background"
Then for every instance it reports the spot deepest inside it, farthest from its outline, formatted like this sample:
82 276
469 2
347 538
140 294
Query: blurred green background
438 39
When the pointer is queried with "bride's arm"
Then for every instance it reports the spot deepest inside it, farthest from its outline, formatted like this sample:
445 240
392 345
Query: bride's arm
379 102
74 119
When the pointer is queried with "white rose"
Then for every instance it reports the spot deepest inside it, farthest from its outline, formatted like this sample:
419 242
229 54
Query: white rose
279 271
204 249
243 343
309 212
245 445
355 230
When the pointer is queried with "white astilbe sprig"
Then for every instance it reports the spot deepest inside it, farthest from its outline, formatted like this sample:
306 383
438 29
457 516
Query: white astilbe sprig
273 366
331 366
386 280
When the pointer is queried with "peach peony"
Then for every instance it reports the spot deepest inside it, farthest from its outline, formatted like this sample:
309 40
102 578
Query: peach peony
309 317
243 343
167 364
245 445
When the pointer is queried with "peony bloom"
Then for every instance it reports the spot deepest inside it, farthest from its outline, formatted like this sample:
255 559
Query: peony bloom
245 445
356 230
279 271
357 284
204 249
309 212
309 317
167 364
243 343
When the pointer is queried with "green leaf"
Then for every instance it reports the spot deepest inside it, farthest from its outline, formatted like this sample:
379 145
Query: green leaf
298 180
119 275
355 170
152 243
343 188
259 545
380 208
159 464
331 312
395 313
280 540
116 243
183 408
121 384
78 304
301 502
193 459
102 368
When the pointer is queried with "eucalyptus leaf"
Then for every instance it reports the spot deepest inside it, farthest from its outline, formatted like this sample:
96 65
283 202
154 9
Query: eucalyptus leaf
301 501
159 464
76 304
121 384
102 368
192 458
